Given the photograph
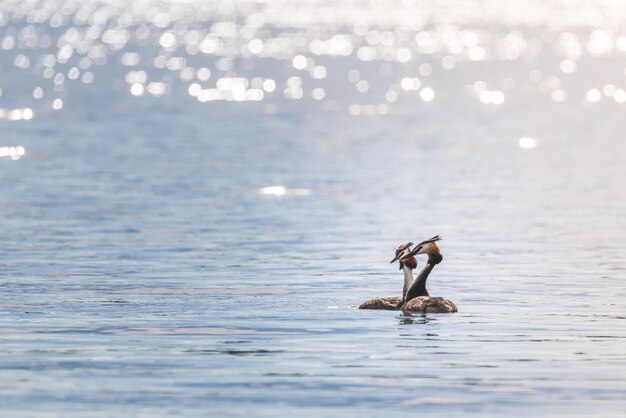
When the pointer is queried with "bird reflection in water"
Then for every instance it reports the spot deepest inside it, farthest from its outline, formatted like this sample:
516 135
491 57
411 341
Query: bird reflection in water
412 318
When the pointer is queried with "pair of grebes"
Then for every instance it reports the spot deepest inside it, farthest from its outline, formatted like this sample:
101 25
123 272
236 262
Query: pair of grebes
415 297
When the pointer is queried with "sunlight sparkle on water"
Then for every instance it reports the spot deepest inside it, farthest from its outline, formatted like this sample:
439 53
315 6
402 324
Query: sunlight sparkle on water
195 42
391 47
16 114
273 190
14 153
427 94
527 142
282 191
593 95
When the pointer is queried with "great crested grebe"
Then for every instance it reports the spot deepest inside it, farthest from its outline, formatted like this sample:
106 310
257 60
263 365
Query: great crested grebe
417 298
407 265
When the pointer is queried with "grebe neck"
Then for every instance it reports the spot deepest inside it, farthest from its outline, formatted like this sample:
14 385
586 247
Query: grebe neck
408 279
419 285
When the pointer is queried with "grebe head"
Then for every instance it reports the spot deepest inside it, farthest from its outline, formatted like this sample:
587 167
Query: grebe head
428 247
403 254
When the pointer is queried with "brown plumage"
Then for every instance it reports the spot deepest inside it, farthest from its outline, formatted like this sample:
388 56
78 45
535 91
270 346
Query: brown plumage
389 304
429 304
410 262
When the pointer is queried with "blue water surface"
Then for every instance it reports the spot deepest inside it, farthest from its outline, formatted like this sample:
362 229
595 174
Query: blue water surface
163 255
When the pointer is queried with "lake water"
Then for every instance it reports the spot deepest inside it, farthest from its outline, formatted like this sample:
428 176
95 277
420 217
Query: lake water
198 195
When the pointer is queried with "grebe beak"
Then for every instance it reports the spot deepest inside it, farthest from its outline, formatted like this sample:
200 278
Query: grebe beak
394 259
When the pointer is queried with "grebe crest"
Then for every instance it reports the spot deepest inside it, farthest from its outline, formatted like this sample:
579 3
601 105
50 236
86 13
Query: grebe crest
430 248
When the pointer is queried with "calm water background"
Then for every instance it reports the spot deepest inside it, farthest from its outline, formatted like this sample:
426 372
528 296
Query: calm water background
180 250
